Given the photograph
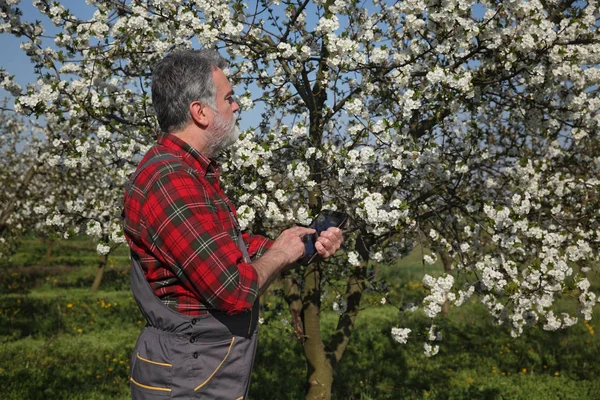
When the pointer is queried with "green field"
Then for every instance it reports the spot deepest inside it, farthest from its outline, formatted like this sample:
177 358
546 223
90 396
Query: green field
61 341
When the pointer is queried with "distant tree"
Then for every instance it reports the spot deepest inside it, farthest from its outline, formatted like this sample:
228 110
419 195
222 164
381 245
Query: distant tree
48 192
18 168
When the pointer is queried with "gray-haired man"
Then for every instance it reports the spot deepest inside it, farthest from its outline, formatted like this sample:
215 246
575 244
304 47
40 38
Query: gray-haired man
195 275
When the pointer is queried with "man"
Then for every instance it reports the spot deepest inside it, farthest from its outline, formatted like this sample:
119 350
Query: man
196 277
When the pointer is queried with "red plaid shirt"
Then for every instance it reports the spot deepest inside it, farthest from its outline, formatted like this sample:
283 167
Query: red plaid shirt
183 229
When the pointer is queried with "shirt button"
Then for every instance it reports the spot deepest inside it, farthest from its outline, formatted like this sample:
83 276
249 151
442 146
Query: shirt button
195 355
194 321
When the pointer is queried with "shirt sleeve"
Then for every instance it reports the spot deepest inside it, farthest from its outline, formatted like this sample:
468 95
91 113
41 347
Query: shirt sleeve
183 232
257 245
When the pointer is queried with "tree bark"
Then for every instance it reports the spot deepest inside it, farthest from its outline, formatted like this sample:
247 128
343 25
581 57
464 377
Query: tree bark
291 291
49 249
320 372
100 272
341 337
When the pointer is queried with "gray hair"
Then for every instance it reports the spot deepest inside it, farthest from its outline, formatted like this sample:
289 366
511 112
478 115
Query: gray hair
179 79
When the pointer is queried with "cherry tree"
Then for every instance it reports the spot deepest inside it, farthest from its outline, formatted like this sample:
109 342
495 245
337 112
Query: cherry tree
53 193
19 166
27 180
470 124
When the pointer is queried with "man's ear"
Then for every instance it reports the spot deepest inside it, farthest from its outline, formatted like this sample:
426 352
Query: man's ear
198 112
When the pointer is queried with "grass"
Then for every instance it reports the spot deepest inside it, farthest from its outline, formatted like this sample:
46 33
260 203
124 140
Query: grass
60 341
76 251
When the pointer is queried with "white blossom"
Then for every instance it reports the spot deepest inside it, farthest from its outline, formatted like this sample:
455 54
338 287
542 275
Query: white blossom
400 335
102 249
353 258
430 350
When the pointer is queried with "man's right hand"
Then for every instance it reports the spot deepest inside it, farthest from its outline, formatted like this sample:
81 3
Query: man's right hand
286 249
291 244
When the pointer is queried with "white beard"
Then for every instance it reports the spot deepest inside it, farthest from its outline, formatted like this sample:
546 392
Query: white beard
221 135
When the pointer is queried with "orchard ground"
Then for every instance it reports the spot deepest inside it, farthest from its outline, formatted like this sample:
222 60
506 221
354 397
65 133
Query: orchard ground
61 341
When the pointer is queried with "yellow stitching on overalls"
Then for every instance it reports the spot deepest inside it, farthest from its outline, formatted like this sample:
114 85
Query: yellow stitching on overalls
150 387
153 362
240 398
219 366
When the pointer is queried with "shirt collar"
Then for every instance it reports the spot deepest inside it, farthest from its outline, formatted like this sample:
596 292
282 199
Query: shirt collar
188 154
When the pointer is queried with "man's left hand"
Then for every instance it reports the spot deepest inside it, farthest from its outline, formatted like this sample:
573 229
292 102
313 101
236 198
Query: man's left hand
329 242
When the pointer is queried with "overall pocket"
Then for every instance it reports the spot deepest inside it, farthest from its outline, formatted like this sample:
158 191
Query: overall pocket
150 378
219 369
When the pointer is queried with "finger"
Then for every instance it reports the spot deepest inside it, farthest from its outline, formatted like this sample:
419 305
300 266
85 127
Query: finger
334 230
327 244
328 247
334 234
322 250
301 230
334 237
331 235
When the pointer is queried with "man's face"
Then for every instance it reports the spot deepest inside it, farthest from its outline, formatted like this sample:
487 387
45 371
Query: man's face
222 130
225 102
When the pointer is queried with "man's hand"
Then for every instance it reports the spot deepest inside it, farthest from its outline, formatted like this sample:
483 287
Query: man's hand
329 242
287 249
290 243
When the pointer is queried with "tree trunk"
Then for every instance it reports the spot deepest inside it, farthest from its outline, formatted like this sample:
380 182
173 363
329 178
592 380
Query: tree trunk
319 377
100 272
341 337
49 248
291 290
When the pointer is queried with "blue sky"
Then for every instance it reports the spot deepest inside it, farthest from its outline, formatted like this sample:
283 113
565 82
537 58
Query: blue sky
16 63
13 59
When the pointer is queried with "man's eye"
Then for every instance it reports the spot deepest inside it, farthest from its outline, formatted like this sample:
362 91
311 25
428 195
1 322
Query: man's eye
230 99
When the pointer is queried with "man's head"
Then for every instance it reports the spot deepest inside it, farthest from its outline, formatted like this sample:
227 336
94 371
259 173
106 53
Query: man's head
189 87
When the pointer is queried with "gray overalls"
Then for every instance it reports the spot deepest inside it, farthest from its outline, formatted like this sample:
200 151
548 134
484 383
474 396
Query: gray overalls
183 357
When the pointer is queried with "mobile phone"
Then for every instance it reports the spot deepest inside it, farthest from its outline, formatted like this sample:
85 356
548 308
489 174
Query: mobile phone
324 220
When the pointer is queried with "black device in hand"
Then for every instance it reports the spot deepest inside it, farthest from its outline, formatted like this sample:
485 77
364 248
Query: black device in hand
326 219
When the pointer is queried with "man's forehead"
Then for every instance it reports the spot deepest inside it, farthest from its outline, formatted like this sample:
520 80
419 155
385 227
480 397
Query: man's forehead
221 81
